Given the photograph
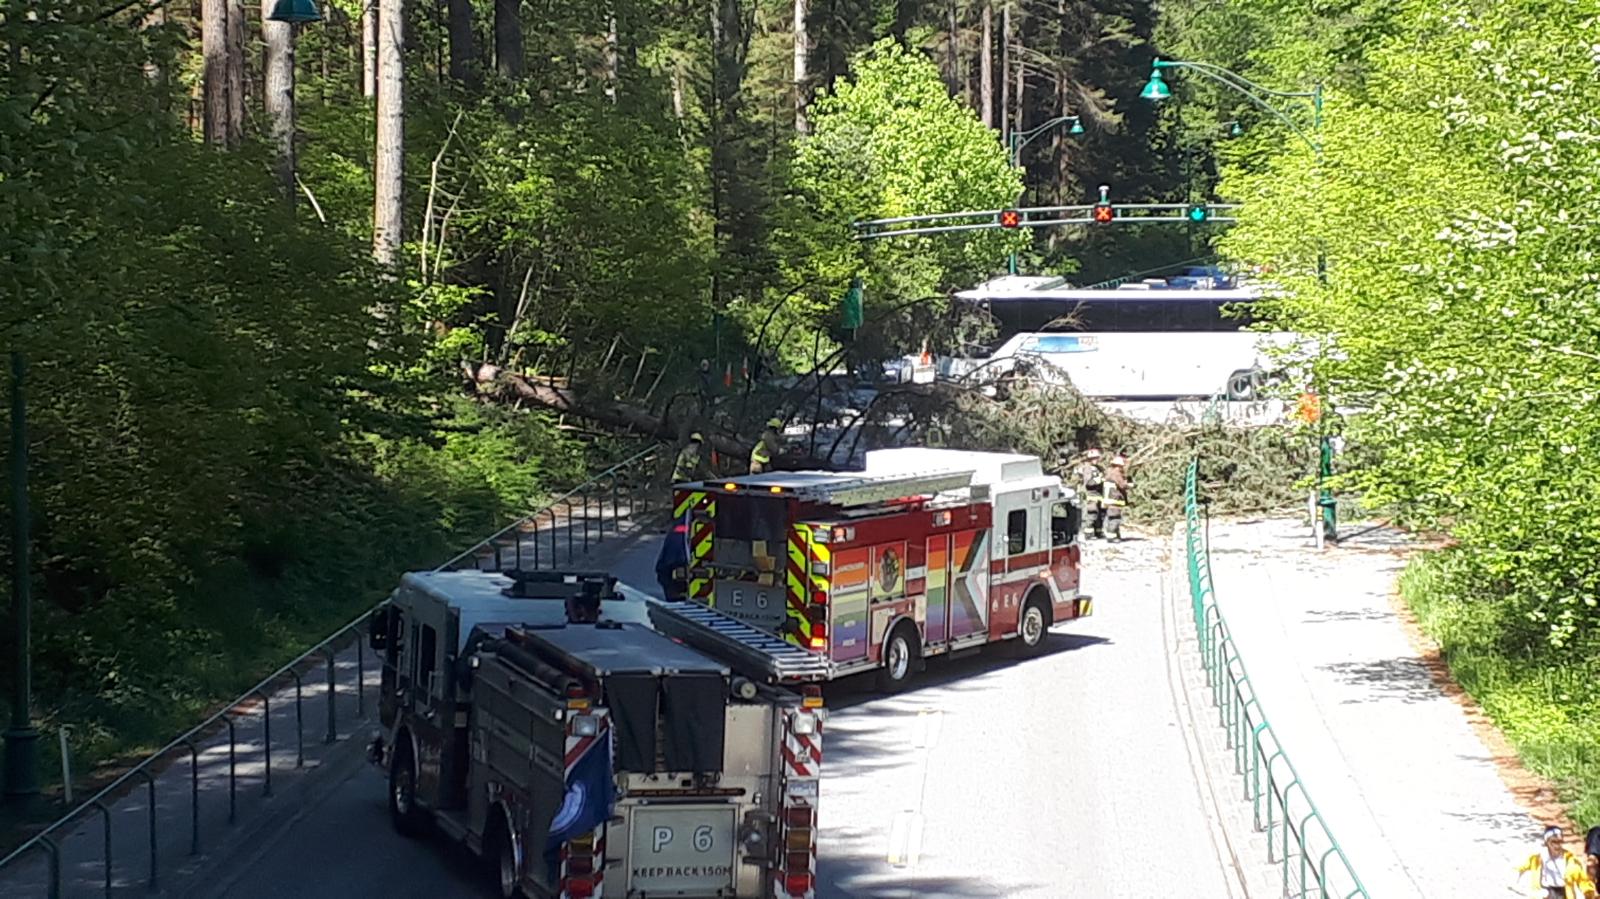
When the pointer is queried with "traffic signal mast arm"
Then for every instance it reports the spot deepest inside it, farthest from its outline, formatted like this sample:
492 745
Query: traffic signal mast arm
1037 217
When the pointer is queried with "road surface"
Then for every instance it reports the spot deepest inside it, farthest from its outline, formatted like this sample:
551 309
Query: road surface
1062 775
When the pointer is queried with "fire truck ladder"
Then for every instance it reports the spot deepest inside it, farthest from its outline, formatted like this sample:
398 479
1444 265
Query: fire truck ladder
869 490
754 652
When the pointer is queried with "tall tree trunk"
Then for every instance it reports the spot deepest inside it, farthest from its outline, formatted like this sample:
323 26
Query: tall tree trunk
508 56
905 16
952 51
236 97
214 51
986 67
613 58
1022 84
1005 71
369 49
802 52
278 96
387 224
463 53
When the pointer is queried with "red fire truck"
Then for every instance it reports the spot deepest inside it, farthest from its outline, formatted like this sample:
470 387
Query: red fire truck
925 552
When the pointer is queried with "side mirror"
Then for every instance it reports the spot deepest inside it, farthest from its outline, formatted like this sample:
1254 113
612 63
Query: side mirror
378 633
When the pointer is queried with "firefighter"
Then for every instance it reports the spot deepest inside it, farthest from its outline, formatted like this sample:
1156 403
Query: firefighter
770 444
1090 480
688 467
1114 496
707 389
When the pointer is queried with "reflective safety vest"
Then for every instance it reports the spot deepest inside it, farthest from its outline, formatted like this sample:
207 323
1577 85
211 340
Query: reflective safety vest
686 467
1114 495
762 453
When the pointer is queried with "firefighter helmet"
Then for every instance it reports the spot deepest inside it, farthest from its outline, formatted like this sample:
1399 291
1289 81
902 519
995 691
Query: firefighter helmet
774 422
696 437
1092 453
1119 460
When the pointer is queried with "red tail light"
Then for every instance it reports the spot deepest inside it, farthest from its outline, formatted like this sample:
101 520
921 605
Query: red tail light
819 635
797 884
797 816
680 529
819 597
580 887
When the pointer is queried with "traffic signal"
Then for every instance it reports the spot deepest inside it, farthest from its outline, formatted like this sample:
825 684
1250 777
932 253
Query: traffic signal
1010 218
1104 213
1197 213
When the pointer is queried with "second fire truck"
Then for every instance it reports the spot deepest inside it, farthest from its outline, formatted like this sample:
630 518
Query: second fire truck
587 756
922 553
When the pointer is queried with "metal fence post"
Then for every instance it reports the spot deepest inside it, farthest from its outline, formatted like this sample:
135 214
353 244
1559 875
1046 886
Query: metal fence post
54 852
535 542
150 781
361 676
233 771
552 511
266 742
585 524
299 725
571 537
194 797
333 730
105 817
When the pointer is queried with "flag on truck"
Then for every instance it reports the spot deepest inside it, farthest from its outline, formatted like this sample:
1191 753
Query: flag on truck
589 797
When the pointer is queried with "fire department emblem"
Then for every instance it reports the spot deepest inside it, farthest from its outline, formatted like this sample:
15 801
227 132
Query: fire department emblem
888 571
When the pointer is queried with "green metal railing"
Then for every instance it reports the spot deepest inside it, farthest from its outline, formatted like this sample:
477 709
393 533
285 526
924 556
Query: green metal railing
1309 858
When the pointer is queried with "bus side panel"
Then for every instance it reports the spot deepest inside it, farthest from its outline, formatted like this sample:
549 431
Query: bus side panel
848 605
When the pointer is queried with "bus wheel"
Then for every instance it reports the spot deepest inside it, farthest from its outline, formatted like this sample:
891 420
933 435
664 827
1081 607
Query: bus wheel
1034 625
901 653
403 792
1241 386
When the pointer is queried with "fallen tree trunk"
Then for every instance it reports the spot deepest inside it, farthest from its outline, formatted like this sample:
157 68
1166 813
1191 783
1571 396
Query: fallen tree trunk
492 380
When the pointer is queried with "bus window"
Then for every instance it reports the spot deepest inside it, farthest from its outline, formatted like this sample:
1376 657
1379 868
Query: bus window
1016 532
427 650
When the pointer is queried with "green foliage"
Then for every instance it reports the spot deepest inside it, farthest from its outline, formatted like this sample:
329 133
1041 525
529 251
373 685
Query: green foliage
1547 708
1452 208
891 141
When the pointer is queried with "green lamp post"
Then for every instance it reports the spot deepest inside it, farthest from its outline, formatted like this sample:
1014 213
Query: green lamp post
1020 139
1269 100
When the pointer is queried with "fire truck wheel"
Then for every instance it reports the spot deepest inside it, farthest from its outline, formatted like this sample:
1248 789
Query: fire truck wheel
901 654
502 854
403 810
1034 625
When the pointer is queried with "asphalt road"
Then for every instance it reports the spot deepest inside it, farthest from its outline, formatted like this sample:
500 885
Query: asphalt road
1063 775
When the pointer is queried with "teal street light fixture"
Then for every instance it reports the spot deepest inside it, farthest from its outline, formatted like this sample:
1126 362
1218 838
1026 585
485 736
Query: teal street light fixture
1272 102
1156 88
295 12
1020 139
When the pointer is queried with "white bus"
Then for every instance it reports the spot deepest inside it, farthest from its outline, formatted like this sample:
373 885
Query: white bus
1140 342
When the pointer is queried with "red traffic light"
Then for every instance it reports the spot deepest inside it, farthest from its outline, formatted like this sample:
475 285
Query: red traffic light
1103 212
1010 218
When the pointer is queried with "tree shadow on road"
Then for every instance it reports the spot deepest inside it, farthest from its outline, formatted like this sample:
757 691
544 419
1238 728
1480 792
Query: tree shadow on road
942 671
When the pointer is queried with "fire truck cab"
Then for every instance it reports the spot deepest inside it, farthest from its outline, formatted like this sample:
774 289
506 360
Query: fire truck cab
922 553
585 757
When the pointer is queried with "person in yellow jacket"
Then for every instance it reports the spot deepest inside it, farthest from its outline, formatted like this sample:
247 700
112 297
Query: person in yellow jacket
1554 873
770 444
688 467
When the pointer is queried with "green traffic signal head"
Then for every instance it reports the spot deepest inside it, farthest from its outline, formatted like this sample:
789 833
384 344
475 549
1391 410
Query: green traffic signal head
1236 130
1156 88
1197 213
1077 127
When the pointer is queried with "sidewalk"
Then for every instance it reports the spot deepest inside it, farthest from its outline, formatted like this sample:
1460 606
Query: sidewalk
1401 778
192 796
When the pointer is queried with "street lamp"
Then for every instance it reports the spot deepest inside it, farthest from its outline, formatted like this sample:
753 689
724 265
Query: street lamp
1156 89
295 12
1020 139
